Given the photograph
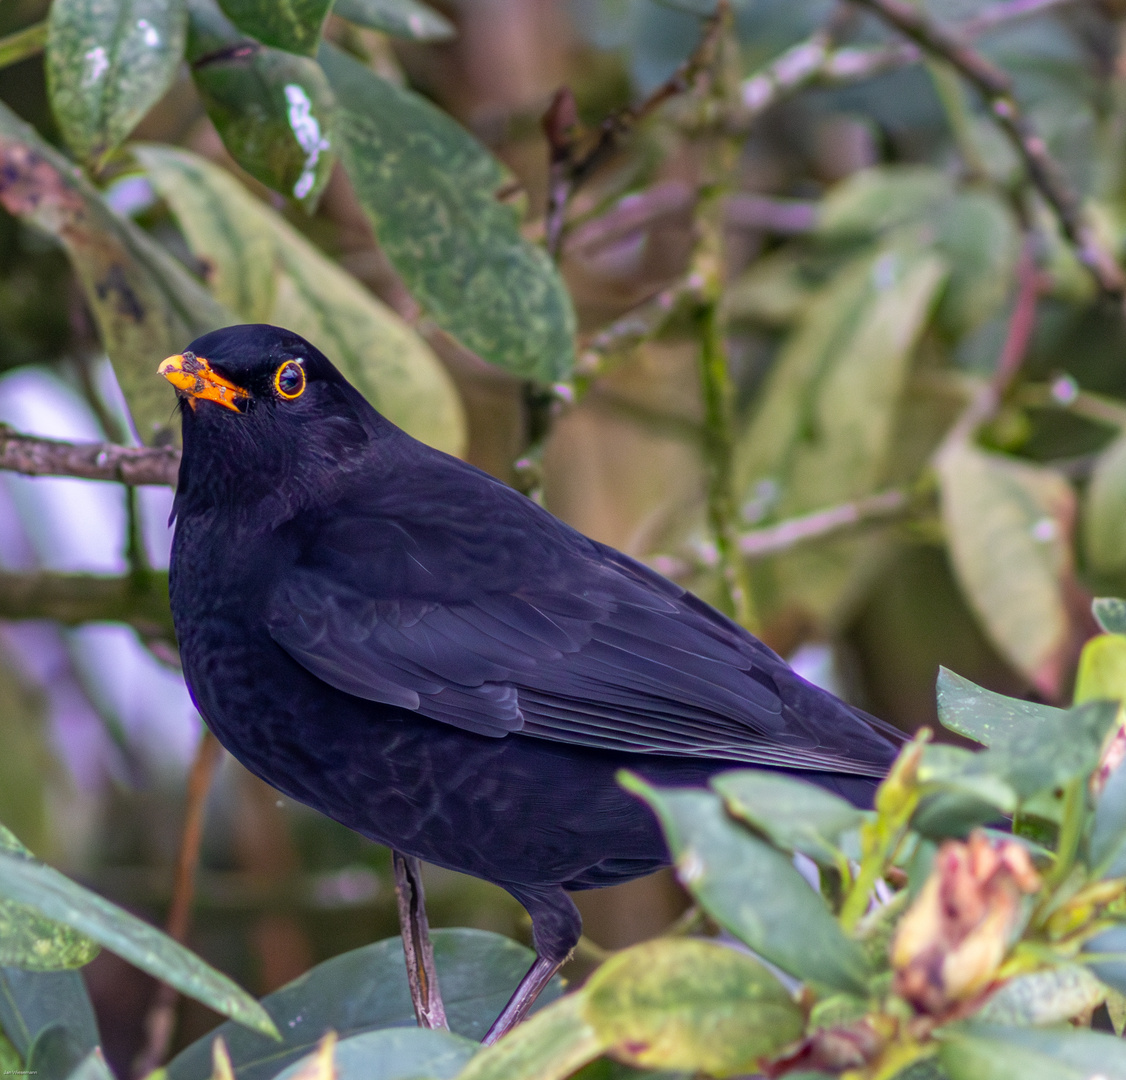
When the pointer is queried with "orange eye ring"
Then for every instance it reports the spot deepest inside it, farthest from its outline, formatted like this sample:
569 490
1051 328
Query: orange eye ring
289 380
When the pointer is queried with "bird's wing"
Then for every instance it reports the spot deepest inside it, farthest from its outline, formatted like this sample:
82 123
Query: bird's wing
556 637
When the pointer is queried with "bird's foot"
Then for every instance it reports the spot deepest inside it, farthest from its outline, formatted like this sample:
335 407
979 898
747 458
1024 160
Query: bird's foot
417 948
538 976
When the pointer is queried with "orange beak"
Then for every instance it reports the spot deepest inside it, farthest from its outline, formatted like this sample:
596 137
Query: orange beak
195 377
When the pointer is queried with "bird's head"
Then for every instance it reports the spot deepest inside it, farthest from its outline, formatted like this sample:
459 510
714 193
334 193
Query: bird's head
264 411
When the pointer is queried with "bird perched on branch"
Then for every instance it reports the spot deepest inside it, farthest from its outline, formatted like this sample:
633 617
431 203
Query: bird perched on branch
401 641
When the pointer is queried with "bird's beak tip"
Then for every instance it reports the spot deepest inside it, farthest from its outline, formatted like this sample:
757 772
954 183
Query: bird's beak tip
193 376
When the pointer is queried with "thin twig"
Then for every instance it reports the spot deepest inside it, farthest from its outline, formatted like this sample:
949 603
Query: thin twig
996 88
782 217
418 950
22 44
34 456
160 1023
631 329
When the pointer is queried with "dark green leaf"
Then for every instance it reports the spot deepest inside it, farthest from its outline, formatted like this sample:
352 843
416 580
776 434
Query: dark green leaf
268 272
29 941
396 1054
1032 747
1107 845
992 1052
366 989
400 18
984 716
273 109
431 193
752 889
687 1004
108 63
959 792
1110 612
57 897
293 25
48 1011
792 814
1007 524
146 304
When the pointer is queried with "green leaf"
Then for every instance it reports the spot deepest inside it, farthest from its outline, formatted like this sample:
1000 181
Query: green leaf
822 431
108 63
400 18
960 792
1104 512
273 109
1044 997
792 814
1007 524
395 1054
1110 613
985 716
49 1019
978 234
1102 670
29 941
550 1046
1032 747
293 25
992 1052
1107 844
689 1004
92 1067
752 889
875 199
264 269
27 881
146 305
366 989
1109 944
431 193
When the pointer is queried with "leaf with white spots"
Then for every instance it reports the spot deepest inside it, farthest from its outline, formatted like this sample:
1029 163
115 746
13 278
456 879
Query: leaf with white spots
108 63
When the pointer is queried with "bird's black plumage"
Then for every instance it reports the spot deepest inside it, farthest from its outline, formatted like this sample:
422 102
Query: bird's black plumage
403 642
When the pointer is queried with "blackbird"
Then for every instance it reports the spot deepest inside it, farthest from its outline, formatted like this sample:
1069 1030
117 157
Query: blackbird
413 648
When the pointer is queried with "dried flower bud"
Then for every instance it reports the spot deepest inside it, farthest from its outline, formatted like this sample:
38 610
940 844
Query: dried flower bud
953 939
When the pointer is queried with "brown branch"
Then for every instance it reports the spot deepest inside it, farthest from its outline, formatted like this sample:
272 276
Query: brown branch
418 950
34 456
73 599
782 217
630 214
570 166
160 1023
996 88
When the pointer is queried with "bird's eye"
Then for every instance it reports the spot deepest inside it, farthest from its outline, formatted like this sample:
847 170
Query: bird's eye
289 380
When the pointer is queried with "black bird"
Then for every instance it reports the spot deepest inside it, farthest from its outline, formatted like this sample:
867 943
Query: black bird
401 641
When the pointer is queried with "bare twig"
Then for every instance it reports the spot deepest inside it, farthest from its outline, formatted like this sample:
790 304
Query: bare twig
570 164
33 456
996 87
773 539
22 44
422 975
782 217
631 329
160 1022
630 214
891 505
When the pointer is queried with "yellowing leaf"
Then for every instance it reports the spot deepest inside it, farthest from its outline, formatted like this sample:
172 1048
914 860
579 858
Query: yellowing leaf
1007 528
1104 511
1102 670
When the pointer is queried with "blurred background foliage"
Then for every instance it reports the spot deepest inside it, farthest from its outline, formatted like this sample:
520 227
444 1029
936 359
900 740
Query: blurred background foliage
799 327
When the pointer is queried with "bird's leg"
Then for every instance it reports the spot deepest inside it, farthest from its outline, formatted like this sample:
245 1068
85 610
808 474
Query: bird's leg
556 928
419 952
538 976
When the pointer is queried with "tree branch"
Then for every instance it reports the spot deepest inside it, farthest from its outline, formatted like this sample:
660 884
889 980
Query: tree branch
33 456
996 88
73 599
